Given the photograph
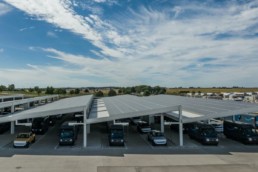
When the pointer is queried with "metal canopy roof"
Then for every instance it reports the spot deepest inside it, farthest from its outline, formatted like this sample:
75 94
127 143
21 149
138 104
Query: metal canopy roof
193 109
127 106
62 106
205 108
23 101
12 96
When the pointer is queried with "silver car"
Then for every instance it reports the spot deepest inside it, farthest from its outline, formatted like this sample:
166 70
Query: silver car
157 138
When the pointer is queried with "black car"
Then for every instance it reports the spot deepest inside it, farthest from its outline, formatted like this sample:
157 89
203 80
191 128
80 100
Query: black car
204 133
245 133
185 127
116 135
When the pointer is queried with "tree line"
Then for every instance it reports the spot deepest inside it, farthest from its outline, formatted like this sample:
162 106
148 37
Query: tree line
141 90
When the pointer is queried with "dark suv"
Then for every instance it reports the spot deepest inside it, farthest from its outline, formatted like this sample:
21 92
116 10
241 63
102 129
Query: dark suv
204 133
242 132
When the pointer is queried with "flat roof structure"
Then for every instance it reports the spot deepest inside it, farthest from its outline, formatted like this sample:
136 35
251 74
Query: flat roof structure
127 106
13 96
197 109
24 101
62 106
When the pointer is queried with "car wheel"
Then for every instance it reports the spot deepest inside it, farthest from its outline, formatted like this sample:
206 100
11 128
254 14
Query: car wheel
153 144
27 144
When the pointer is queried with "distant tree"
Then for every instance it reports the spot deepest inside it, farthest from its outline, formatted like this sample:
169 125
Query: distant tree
120 91
60 91
156 90
11 87
77 91
86 91
112 92
133 90
99 94
2 88
162 91
146 93
127 90
37 89
31 90
72 91
50 90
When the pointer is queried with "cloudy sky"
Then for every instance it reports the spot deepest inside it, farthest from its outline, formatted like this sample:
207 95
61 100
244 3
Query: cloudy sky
129 42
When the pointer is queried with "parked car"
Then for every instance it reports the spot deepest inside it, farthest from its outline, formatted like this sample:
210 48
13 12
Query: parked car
68 133
135 120
116 135
245 133
40 125
4 127
24 139
143 127
157 138
176 127
217 124
52 120
204 133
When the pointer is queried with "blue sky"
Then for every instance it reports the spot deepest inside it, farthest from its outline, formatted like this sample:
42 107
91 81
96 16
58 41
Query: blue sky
169 43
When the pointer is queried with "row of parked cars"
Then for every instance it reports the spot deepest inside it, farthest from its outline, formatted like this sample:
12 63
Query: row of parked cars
116 133
208 134
38 126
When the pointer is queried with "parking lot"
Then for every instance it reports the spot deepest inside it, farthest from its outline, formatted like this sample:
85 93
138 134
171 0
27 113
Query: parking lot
97 142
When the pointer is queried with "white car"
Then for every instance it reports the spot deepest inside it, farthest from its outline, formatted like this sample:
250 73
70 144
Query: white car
157 138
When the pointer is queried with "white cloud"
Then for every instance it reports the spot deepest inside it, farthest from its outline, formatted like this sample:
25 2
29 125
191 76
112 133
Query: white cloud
51 34
156 47
1 50
4 8
26 28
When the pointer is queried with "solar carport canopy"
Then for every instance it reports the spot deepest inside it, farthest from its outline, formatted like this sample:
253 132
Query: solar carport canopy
193 109
203 109
62 106
127 106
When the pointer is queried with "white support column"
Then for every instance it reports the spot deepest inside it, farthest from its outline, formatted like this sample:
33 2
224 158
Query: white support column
234 118
12 127
88 128
151 119
12 109
13 122
181 141
162 123
84 128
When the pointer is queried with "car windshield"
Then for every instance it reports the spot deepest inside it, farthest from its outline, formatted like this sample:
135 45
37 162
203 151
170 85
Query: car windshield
66 133
144 125
209 132
23 136
158 134
116 134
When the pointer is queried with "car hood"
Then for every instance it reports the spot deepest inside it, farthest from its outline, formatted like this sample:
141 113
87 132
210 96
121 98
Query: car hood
21 139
